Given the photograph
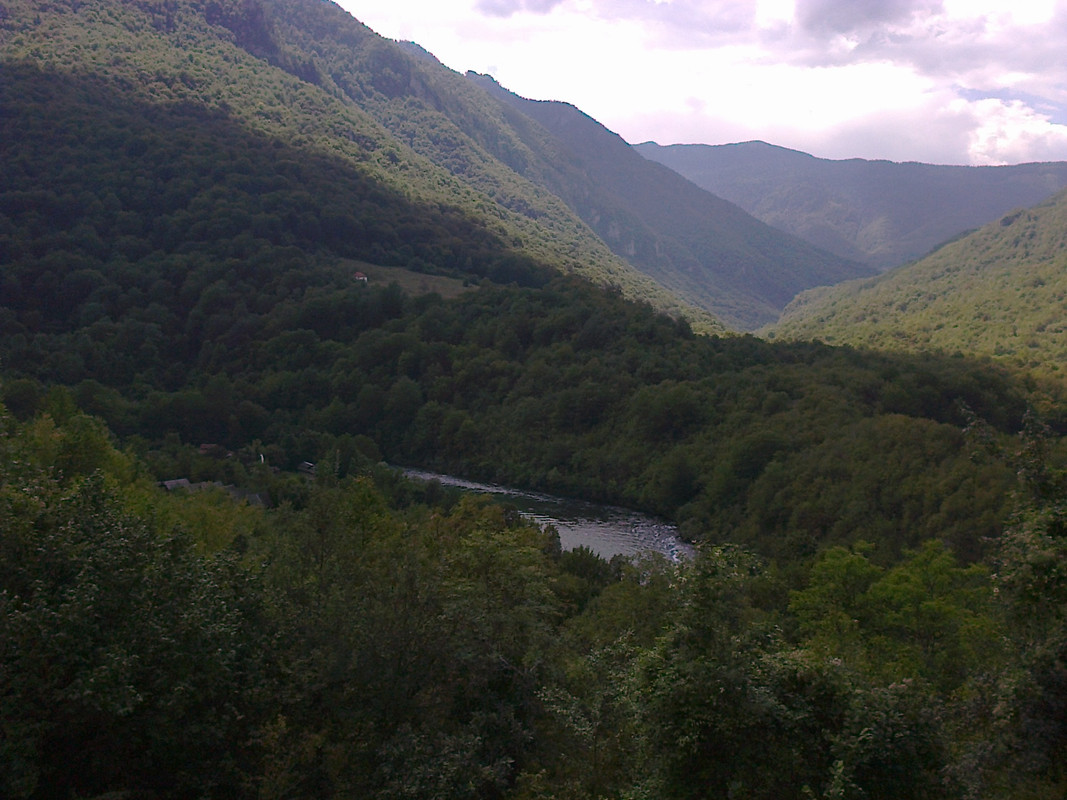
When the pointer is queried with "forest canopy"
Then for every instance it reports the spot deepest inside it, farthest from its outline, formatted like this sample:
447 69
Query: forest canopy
220 267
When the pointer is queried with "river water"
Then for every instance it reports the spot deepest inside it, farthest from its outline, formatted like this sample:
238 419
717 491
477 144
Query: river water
606 530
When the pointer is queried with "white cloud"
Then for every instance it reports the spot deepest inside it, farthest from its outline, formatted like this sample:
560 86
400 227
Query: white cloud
953 81
1012 132
999 13
506 8
924 128
851 16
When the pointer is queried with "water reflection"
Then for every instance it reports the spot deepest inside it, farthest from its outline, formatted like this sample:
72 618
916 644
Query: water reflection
606 530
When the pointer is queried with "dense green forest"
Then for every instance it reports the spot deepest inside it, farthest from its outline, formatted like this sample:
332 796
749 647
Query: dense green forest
997 292
875 609
556 387
371 638
196 119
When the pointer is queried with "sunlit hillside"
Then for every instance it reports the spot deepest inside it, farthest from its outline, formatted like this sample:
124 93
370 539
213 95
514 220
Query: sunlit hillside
1000 292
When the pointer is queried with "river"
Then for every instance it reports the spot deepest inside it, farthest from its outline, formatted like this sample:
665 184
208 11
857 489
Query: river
606 530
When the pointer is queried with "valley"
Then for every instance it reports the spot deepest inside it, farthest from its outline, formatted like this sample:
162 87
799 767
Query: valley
242 237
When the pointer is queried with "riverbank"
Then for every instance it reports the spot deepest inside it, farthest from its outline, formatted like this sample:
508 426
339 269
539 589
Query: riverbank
606 530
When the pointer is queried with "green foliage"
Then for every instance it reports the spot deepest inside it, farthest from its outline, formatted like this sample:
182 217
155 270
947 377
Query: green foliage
925 617
417 642
1027 720
728 436
561 389
725 710
996 293
128 662
338 646
357 651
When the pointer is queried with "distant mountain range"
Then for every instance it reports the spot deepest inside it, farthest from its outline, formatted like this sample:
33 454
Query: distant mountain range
1000 291
880 213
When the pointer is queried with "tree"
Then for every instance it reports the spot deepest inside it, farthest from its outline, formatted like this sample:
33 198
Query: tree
127 662
1030 719
926 617
726 709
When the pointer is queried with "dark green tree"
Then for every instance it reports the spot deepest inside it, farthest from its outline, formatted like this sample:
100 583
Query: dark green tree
127 662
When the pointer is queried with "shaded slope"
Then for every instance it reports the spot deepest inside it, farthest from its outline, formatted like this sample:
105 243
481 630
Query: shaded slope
879 212
999 292
175 286
232 62
706 249
179 205
446 119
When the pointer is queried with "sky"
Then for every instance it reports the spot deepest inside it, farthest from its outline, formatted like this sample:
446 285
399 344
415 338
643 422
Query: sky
936 81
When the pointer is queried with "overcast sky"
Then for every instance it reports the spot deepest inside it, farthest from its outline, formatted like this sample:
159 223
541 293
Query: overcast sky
939 81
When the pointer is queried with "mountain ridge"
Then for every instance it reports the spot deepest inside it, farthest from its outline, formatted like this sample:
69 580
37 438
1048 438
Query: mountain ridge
538 179
690 240
880 212
248 68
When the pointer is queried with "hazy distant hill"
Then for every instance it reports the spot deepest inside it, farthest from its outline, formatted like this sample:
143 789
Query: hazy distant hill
709 251
1001 291
879 212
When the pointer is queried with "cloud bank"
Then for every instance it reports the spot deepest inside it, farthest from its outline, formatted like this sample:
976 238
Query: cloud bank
944 81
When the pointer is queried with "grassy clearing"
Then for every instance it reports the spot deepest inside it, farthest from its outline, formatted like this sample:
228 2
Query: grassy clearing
413 283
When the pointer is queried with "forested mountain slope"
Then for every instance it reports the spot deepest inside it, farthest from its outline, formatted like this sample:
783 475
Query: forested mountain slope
267 149
707 250
880 213
188 191
371 639
181 228
998 292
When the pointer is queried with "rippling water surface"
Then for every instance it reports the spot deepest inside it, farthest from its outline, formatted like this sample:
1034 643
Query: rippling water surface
606 530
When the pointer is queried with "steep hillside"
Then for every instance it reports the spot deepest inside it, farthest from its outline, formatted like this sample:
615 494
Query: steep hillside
192 194
878 212
180 230
189 121
709 251
1001 291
